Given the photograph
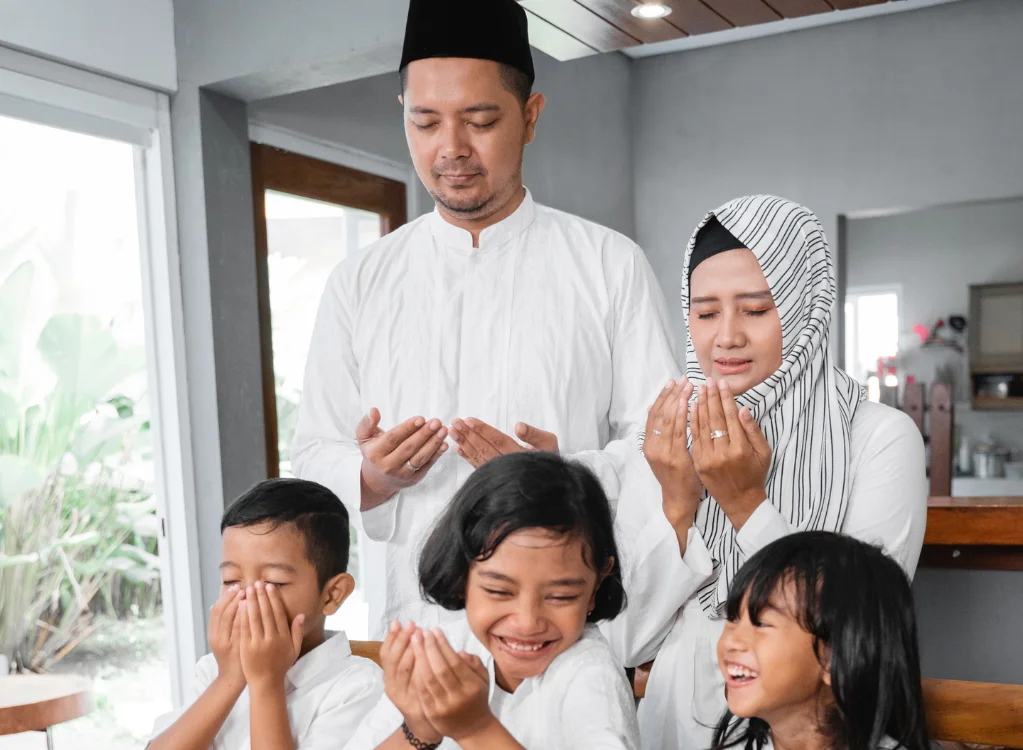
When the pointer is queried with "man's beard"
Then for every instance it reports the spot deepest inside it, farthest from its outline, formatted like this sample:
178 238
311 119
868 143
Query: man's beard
471 206
468 208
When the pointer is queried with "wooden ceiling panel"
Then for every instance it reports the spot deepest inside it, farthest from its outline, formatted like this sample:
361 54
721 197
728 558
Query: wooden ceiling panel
693 17
619 13
567 29
847 4
797 8
743 12
582 23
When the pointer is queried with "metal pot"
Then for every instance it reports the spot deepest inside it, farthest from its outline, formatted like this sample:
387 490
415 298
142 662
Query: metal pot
989 464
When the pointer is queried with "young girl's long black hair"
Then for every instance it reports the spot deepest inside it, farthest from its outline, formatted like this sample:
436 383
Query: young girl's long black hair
529 490
857 604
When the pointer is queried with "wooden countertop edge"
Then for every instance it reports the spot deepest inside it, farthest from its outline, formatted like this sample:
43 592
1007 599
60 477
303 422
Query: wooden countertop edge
987 521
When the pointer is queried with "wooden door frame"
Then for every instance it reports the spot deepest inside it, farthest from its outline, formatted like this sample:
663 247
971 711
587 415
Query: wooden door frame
306 177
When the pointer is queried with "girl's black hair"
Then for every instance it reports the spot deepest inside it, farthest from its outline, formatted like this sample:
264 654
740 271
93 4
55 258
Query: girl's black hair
529 490
857 603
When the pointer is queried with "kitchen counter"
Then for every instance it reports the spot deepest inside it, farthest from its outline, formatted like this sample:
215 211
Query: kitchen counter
975 532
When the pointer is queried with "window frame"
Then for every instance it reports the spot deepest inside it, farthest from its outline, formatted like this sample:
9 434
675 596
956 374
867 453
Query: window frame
294 173
850 334
56 95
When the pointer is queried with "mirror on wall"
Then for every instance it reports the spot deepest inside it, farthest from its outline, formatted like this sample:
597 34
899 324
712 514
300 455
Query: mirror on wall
935 295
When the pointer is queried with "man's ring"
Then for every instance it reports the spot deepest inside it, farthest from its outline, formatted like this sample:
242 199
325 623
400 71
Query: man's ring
656 432
718 434
414 468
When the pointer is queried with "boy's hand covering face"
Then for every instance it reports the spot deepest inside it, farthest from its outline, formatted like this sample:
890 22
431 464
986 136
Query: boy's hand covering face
269 646
398 659
225 635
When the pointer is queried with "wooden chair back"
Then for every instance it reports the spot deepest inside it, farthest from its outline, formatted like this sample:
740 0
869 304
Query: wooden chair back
980 713
367 650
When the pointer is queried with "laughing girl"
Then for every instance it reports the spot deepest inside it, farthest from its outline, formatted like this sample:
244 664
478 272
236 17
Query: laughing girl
527 550
819 650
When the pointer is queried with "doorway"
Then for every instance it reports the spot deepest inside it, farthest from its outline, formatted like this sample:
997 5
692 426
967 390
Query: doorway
310 214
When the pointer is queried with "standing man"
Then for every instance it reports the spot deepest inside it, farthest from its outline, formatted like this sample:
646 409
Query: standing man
492 315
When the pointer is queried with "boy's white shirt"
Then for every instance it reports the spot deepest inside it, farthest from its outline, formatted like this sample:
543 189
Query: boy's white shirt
582 700
328 691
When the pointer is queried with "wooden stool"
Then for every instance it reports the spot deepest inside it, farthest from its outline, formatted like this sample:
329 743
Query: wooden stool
37 702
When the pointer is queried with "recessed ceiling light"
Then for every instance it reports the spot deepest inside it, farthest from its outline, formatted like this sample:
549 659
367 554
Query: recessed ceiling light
651 10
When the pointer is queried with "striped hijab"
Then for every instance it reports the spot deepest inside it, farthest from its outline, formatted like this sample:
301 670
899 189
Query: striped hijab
805 408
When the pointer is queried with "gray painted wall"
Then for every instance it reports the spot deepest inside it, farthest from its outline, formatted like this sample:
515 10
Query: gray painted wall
915 109
129 39
580 161
935 254
253 49
363 115
218 287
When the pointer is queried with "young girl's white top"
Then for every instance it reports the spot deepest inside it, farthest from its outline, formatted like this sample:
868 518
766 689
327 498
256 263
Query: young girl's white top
582 700
328 692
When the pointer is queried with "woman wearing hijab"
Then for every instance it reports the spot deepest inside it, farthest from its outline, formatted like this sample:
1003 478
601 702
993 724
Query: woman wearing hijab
779 440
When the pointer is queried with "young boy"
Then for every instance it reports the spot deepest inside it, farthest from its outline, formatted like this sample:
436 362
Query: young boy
276 680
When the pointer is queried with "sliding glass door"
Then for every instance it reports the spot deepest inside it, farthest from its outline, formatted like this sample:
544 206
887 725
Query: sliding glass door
91 450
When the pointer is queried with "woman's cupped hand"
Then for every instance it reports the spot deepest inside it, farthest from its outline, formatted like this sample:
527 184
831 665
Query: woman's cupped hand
729 455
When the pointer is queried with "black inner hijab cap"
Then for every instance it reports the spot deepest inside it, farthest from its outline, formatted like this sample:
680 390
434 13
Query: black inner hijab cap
712 239
479 29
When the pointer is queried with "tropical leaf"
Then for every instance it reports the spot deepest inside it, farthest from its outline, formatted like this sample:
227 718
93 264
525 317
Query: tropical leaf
86 358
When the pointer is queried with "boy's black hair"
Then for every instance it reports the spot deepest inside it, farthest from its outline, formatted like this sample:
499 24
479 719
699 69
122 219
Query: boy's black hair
315 512
529 490
513 79
857 603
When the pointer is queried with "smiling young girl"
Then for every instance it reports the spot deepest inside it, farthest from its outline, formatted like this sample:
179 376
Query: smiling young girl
819 650
527 550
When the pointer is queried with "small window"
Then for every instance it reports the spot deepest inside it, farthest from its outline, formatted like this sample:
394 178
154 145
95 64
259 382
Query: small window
871 335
